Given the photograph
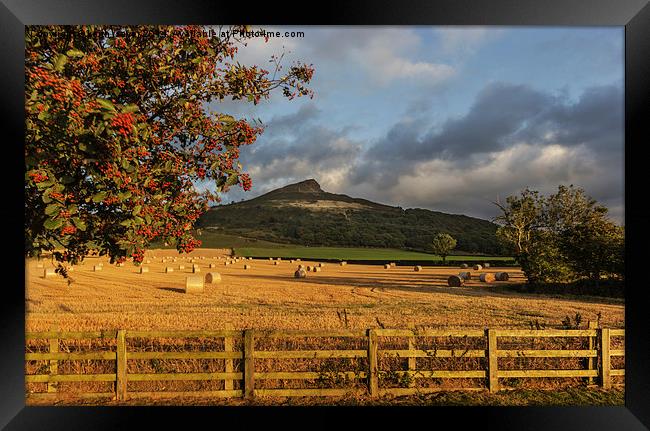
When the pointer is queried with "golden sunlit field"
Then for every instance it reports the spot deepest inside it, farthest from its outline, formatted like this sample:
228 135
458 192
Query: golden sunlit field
266 296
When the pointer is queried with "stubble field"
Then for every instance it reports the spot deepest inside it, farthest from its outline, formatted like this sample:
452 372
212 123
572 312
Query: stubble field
266 296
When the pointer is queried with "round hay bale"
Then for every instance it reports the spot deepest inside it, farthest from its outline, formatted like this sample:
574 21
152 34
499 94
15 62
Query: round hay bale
393 264
270 258
455 281
212 277
301 266
486 265
477 267
202 257
97 268
195 269
276 263
486 277
169 269
417 268
321 265
49 273
344 263
213 265
148 261
463 266
297 260
181 267
226 263
308 268
194 284
465 275
121 264
300 273
69 268
247 267
143 269
317 269
290 260
387 266
501 276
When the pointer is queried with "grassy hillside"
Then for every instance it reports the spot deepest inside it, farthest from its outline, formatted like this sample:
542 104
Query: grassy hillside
302 214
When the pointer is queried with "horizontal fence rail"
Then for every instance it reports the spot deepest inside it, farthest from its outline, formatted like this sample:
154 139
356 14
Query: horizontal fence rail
375 356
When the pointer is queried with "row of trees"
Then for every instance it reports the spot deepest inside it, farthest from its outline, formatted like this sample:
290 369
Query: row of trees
561 238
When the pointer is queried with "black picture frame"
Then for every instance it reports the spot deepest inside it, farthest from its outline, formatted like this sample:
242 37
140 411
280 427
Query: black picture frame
633 14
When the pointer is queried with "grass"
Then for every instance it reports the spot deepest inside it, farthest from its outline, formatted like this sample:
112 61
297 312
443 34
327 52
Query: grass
258 248
525 397
344 253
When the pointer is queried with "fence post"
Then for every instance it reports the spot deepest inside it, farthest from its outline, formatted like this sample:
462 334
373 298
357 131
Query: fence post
412 364
228 347
120 385
373 378
605 367
492 360
591 362
249 364
54 364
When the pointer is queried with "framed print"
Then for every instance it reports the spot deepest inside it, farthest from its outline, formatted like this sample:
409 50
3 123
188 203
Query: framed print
432 205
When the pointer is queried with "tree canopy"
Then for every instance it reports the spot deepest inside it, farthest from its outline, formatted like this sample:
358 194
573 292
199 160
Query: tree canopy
563 237
118 130
443 244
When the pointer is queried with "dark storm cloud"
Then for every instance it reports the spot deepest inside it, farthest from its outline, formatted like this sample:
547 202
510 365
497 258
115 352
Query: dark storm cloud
501 116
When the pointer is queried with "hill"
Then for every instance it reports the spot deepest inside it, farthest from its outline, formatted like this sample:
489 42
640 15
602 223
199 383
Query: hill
304 214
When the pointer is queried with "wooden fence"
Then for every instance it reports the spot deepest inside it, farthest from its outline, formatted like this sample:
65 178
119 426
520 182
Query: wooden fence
597 359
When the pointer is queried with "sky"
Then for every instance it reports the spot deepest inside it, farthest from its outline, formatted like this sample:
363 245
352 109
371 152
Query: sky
440 117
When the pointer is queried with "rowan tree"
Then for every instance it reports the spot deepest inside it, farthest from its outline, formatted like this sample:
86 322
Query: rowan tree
118 131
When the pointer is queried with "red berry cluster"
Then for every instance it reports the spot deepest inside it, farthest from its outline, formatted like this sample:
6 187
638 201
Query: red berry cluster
123 123
68 230
37 177
246 181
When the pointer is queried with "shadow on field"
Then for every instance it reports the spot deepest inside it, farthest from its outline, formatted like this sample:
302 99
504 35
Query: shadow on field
433 284
172 289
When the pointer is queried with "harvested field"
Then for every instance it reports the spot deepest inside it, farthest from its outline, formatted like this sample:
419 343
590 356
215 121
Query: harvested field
267 296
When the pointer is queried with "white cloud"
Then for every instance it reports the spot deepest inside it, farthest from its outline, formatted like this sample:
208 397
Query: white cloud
385 58
464 40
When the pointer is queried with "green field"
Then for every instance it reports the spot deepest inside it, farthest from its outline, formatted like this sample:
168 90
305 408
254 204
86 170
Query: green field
257 248
344 253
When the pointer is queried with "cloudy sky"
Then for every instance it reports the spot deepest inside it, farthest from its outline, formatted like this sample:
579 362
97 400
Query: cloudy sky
444 118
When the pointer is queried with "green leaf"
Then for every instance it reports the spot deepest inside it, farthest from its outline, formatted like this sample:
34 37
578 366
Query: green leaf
79 223
60 62
43 115
136 210
52 209
138 220
106 104
99 196
126 223
131 108
117 91
124 195
51 224
74 53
